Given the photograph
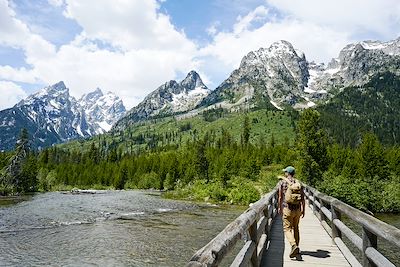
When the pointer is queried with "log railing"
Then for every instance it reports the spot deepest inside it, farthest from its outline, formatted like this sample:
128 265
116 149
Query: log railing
253 226
330 209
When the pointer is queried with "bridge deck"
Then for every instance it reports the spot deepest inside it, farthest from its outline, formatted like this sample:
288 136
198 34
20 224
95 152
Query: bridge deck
316 246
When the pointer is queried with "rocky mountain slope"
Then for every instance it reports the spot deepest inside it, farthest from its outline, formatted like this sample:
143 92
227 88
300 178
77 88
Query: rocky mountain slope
52 116
170 98
101 110
271 76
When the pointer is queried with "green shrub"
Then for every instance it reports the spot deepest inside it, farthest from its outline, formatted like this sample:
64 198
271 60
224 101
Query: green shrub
242 191
149 180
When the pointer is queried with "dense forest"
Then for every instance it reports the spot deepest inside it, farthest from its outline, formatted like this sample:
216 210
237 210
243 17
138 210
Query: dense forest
216 166
357 110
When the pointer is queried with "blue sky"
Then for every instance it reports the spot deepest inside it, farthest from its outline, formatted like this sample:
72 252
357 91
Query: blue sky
132 47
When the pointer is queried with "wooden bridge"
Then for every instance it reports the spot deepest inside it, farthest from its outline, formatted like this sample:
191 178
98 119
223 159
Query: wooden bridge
259 230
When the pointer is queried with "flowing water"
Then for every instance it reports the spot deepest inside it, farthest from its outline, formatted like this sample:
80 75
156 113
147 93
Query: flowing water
109 228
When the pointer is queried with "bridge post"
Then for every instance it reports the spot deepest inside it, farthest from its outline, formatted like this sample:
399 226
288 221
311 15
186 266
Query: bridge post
253 236
335 230
321 214
314 205
276 208
266 215
368 240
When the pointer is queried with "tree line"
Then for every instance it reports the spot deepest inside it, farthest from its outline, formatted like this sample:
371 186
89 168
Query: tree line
218 168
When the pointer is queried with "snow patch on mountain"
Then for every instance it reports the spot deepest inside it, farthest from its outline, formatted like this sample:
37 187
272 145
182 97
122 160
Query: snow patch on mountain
186 99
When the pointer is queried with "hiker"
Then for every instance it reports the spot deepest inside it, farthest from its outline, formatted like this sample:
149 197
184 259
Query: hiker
291 205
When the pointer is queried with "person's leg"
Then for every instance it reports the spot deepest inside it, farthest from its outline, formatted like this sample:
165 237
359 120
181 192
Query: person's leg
288 226
288 216
296 220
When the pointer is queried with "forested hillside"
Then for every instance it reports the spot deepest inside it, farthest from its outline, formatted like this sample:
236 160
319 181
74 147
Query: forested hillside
373 107
216 165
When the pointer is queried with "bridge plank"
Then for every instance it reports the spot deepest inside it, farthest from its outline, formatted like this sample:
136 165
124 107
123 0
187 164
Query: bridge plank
317 247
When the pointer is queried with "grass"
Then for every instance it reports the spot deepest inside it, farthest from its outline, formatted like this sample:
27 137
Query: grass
264 125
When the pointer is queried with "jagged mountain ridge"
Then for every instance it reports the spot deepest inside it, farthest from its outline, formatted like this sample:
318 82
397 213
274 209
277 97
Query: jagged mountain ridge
277 77
282 76
355 65
52 116
168 99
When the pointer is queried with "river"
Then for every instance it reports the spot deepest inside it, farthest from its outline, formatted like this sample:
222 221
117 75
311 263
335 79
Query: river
109 228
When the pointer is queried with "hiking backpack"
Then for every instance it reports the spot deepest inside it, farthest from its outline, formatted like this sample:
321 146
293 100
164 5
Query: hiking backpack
293 192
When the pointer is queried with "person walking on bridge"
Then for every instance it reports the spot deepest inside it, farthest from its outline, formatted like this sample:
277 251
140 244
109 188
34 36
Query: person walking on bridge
291 205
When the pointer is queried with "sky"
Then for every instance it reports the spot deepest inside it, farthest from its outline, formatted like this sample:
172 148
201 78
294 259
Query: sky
131 47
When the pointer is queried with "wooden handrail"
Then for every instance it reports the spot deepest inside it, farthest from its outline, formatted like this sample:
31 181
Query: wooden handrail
330 208
253 226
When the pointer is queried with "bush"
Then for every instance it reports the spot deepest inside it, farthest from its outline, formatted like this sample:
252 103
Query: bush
47 180
149 180
242 191
268 177
391 196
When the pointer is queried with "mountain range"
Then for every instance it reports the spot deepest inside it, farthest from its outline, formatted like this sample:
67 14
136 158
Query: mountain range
276 78
53 116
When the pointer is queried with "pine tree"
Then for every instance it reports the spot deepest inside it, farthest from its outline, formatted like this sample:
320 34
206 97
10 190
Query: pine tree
202 163
20 174
312 144
246 131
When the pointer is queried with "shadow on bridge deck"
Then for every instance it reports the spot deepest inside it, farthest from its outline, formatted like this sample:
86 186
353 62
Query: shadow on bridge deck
273 256
317 248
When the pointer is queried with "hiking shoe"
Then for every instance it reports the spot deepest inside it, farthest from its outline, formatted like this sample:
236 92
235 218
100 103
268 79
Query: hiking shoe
294 252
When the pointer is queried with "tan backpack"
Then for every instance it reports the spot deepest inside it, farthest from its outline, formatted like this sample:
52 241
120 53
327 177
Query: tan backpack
293 192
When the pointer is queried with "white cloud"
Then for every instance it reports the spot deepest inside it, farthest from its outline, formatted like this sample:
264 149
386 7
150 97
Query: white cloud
11 93
245 23
126 47
381 17
18 74
213 28
318 28
127 24
12 31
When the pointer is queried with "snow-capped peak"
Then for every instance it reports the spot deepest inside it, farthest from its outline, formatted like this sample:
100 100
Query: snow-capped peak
193 91
101 110
93 95
281 46
192 81
53 115
56 91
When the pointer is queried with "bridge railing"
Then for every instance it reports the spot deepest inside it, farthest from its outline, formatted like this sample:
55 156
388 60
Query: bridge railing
253 226
255 223
330 209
